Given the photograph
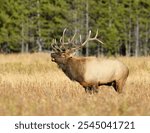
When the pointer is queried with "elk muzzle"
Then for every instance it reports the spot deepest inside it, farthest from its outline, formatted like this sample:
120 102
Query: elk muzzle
53 60
53 57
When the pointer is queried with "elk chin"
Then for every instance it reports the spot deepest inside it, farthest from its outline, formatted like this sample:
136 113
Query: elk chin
60 61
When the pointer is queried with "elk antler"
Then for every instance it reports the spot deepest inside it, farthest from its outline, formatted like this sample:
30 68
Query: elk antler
91 39
63 38
70 41
61 48
54 46
88 39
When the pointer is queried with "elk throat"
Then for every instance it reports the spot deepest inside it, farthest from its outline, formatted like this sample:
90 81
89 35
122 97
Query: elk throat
66 70
74 70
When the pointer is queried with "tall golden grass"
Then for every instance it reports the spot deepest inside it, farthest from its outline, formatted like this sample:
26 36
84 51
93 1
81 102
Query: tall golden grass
30 84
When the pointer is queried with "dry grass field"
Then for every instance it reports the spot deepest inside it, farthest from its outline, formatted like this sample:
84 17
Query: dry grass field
30 84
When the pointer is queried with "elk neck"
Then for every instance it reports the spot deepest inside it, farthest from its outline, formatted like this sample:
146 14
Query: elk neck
74 68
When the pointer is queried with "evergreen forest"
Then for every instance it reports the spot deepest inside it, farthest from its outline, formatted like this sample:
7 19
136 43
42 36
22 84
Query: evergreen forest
31 25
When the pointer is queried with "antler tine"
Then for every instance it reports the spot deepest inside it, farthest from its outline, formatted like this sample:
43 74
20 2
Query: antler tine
72 39
58 48
89 34
80 38
91 39
95 38
62 39
88 37
78 47
55 41
52 45
63 36
96 34
55 47
69 41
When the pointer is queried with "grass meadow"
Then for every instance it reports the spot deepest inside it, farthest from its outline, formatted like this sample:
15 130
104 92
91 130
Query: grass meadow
30 84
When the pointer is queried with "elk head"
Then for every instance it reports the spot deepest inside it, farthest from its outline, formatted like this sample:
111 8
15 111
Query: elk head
62 52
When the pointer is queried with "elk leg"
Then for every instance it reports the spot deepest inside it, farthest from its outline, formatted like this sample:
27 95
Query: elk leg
120 85
87 89
95 88
114 85
91 89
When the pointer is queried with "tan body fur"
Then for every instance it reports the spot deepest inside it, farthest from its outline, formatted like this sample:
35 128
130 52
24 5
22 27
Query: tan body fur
91 72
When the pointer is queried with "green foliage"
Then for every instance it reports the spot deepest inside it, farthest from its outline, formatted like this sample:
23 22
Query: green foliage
23 23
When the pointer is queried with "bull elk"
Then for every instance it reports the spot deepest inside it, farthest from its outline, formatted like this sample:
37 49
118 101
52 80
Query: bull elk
90 72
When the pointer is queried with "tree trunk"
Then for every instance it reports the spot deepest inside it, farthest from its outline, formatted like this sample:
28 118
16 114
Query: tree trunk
75 23
22 46
128 50
110 17
146 40
27 48
87 26
39 41
22 42
137 38
129 43
40 48
98 50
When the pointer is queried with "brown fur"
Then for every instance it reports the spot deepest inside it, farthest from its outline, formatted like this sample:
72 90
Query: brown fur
91 73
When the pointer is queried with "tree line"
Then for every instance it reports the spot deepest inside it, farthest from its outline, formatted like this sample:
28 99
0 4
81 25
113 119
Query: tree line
30 25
